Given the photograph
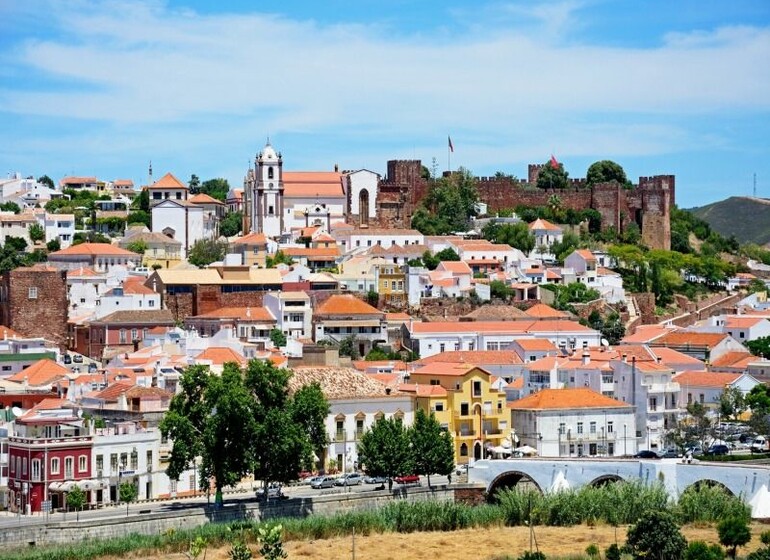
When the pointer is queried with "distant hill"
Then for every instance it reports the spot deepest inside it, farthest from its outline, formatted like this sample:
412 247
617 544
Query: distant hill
747 218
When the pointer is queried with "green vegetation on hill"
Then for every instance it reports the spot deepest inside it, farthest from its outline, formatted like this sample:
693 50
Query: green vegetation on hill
748 219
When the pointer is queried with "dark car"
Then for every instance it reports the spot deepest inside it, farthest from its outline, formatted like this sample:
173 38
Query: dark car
718 449
67 359
646 454
407 479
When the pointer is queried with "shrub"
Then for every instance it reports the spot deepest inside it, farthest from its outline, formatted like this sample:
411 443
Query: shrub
699 550
612 552
709 504
240 551
532 556
272 544
592 551
656 536
734 532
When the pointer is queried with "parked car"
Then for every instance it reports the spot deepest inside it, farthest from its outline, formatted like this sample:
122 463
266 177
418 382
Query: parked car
311 479
694 450
671 453
77 358
718 449
274 492
646 454
375 479
67 359
92 367
349 479
760 445
323 482
407 479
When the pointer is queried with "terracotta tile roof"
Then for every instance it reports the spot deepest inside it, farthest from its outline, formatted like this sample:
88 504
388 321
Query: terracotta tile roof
94 250
312 184
363 365
135 317
734 322
112 392
552 274
424 391
566 399
547 363
691 338
455 267
475 246
745 275
602 271
451 369
517 383
219 355
346 304
122 183
317 252
168 181
137 392
731 359
324 237
586 254
251 239
387 379
705 379
73 180
5 332
261 314
82 272
42 372
541 224
394 317
339 382
646 333
203 198
557 326
543 310
669 356
537 345
507 327
477 357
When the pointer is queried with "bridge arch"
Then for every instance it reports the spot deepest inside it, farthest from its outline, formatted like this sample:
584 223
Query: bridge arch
709 483
606 479
510 479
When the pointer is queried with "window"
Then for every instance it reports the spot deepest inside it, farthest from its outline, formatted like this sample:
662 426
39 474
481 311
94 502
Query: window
464 409
270 211
439 407
82 463
493 346
442 348
689 398
35 469
477 388
32 293
100 463
580 427
269 172
134 333
114 463
610 427
122 336
54 465
149 459
24 467
134 460
592 427
653 403
69 467
701 398
471 346
562 428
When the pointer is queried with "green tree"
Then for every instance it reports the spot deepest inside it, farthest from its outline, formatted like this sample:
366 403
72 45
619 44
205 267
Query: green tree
699 550
430 261
17 244
215 188
206 251
139 217
277 337
348 347
194 183
139 246
47 181
384 450
310 409
656 536
36 232
606 171
759 346
758 400
372 297
141 202
552 177
447 254
732 403
271 543
431 447
516 235
500 290
279 258
449 205
734 532
76 499
239 550
562 249
10 207
127 493
231 224
53 245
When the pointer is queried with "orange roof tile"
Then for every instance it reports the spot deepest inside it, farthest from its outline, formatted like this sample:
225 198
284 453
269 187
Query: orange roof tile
112 392
670 356
564 399
423 390
94 249
219 355
5 332
168 181
586 254
82 272
331 252
742 322
646 333
312 184
346 304
242 313
203 198
478 357
684 338
455 267
42 372
405 317
251 239
705 379
541 224
517 383
730 359
537 345
543 310
457 369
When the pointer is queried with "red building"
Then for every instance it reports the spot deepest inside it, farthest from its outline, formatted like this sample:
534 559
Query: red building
48 453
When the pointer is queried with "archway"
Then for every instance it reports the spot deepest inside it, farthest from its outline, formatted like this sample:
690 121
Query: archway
604 480
707 483
477 455
509 480
363 207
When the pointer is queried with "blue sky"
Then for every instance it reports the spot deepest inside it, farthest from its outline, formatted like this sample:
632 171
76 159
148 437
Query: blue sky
102 88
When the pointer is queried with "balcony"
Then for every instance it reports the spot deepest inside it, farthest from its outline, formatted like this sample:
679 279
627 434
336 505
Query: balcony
463 414
339 436
466 433
669 387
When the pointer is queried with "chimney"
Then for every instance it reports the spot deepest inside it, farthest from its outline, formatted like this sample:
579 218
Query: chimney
586 357
625 358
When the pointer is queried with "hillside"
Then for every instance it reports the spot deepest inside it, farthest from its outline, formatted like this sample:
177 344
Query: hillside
747 218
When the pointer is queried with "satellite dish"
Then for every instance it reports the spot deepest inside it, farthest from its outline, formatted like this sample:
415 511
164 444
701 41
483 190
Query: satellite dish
16 411
605 343
80 413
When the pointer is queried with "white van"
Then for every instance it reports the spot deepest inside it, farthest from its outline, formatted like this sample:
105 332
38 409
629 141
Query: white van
760 445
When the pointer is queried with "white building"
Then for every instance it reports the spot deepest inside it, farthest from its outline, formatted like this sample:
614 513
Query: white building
574 422
362 195
350 240
292 311
706 387
58 226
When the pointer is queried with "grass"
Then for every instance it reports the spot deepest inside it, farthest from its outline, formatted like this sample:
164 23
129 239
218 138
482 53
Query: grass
611 505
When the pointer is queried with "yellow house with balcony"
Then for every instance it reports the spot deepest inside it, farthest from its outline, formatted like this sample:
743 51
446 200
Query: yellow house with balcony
465 402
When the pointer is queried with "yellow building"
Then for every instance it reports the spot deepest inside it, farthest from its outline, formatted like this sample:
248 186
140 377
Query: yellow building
391 284
465 402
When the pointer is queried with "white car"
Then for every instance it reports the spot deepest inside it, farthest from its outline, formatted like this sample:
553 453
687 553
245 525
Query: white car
350 479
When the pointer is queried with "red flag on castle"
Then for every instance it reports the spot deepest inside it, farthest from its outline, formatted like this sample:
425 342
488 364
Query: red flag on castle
554 163
451 146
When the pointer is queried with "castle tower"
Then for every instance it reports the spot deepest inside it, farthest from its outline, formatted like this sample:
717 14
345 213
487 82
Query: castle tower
265 198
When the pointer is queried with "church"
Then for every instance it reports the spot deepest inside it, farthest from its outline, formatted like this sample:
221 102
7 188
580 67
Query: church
280 203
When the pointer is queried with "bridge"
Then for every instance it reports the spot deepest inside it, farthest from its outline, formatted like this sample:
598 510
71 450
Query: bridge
750 482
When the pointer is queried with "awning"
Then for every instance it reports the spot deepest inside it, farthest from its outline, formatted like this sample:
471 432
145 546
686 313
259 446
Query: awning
90 484
65 486
352 323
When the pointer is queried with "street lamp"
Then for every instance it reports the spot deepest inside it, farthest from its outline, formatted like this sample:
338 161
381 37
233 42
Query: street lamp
648 438
625 441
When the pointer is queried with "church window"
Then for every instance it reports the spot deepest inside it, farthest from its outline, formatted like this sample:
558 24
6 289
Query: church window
270 210
270 173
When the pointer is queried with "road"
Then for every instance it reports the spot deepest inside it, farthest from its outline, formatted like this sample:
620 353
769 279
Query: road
244 495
